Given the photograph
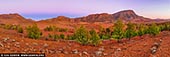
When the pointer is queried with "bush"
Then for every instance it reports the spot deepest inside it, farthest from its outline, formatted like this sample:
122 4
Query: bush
118 32
130 31
153 29
82 35
34 32
20 29
62 36
50 28
95 39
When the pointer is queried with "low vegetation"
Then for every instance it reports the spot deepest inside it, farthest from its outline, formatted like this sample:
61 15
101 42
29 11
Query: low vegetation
34 32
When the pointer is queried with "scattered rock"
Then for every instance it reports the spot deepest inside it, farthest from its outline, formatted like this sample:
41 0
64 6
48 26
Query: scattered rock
105 54
65 52
35 44
5 39
98 53
154 47
119 49
75 51
17 43
13 40
1 45
156 44
84 52
101 49
45 45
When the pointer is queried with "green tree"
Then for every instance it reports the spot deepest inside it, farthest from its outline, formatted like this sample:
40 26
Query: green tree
33 32
141 30
118 32
20 29
154 29
82 35
62 36
95 39
130 31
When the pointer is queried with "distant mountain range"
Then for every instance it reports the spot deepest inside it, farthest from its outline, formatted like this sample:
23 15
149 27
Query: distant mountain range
125 15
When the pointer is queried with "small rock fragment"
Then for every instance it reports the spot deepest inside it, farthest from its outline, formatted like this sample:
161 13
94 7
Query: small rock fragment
98 53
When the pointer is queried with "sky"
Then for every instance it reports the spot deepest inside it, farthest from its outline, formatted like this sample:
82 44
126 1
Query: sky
43 9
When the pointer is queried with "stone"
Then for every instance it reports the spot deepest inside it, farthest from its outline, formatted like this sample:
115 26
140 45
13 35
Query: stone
105 54
101 49
45 45
154 49
98 53
84 52
75 51
119 49
17 43
35 44
1 45
5 39
65 52
13 40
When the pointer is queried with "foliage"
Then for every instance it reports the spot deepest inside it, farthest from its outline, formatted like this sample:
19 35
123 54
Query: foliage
95 39
153 29
118 30
82 35
33 32
62 36
130 31
20 29
50 28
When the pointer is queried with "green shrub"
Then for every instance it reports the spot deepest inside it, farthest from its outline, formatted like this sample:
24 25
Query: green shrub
20 29
62 36
50 28
130 31
154 29
118 32
95 39
33 32
82 35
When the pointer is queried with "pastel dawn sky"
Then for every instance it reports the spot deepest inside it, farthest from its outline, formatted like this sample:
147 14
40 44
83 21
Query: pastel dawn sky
42 9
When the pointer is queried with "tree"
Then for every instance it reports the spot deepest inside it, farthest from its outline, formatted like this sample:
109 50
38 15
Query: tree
141 29
118 30
82 35
34 32
153 29
20 29
62 36
95 39
130 31
50 28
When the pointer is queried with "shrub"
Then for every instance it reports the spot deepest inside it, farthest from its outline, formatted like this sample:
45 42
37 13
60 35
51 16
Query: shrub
153 29
62 36
34 32
95 39
82 35
118 32
50 28
20 29
130 31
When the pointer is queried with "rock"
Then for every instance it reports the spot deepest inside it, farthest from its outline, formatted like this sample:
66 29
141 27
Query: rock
65 52
5 39
98 53
154 49
17 43
119 49
105 54
13 40
45 45
156 44
84 52
101 49
75 51
1 45
35 44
